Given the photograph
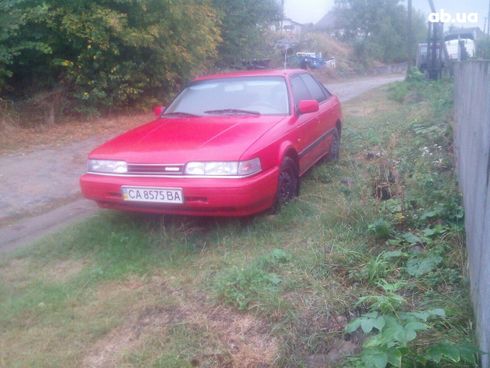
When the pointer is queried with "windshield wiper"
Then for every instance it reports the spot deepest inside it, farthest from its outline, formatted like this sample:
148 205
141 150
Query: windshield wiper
179 113
232 112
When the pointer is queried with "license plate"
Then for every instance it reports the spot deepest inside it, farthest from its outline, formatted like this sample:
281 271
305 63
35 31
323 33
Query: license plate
152 195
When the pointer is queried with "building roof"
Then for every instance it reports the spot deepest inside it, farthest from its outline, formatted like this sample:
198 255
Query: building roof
328 21
292 21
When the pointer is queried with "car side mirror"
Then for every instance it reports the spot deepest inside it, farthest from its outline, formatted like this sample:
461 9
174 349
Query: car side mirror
158 110
307 106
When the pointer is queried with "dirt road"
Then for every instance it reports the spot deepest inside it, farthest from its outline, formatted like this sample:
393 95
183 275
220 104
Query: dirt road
39 190
351 89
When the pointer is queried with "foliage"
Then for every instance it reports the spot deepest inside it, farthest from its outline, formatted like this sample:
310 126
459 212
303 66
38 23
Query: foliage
381 228
378 267
117 53
415 75
15 15
391 340
399 91
243 26
245 287
110 54
392 336
418 266
483 48
378 28
419 260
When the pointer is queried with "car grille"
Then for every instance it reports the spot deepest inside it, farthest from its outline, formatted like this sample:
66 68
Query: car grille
155 169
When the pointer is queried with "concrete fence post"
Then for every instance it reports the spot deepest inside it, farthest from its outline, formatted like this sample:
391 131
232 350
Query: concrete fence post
472 148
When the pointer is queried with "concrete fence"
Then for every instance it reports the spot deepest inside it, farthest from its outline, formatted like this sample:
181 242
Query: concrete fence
472 146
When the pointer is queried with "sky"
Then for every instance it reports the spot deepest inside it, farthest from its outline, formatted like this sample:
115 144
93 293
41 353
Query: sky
311 11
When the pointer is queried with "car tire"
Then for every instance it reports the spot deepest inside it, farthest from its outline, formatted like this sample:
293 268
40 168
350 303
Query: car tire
334 150
287 185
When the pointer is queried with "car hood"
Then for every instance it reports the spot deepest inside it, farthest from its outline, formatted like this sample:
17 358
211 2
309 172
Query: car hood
179 140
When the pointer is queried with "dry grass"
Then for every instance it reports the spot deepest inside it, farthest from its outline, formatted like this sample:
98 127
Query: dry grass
240 340
14 138
141 291
21 271
108 326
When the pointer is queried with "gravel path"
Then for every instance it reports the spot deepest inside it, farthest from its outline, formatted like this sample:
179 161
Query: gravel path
39 191
351 89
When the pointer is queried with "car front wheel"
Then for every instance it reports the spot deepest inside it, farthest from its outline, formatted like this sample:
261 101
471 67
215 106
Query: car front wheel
288 183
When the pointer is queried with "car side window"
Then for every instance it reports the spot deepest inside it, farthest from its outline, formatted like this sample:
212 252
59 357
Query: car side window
313 86
327 92
300 91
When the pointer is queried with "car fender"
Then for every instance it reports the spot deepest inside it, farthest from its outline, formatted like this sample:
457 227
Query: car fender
287 149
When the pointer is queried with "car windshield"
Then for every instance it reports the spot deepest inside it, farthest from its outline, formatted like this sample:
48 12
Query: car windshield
233 96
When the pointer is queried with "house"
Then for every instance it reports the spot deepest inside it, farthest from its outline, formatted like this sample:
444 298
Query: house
288 27
330 23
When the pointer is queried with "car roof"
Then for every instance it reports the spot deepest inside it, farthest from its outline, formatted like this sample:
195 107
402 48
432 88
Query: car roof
252 73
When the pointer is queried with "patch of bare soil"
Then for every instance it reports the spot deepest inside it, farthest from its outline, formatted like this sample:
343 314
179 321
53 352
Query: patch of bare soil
359 110
21 272
15 272
109 349
15 138
245 341
338 351
64 270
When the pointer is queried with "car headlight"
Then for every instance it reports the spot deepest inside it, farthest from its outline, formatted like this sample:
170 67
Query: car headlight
225 168
107 166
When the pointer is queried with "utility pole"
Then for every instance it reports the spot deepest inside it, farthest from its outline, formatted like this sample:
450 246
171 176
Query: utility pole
488 19
282 16
409 35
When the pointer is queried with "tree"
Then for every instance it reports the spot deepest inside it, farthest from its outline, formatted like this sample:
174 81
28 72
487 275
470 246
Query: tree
243 25
378 28
483 48
14 15
108 54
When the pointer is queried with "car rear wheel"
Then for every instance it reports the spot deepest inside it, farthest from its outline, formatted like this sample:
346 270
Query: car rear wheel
288 183
334 152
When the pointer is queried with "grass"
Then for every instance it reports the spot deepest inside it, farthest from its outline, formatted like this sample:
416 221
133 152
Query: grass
147 291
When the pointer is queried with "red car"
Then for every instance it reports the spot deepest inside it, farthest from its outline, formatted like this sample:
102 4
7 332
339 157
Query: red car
230 144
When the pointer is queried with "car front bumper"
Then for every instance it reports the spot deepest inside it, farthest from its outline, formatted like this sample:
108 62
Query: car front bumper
202 196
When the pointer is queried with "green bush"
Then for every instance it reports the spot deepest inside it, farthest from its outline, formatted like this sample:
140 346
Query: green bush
123 50
377 29
118 53
381 229
483 48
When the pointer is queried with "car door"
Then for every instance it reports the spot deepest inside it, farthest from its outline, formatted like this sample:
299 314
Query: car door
326 115
306 126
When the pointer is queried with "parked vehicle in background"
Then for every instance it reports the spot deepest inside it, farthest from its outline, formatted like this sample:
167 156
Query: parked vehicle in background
457 50
310 59
460 49
229 144
459 44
